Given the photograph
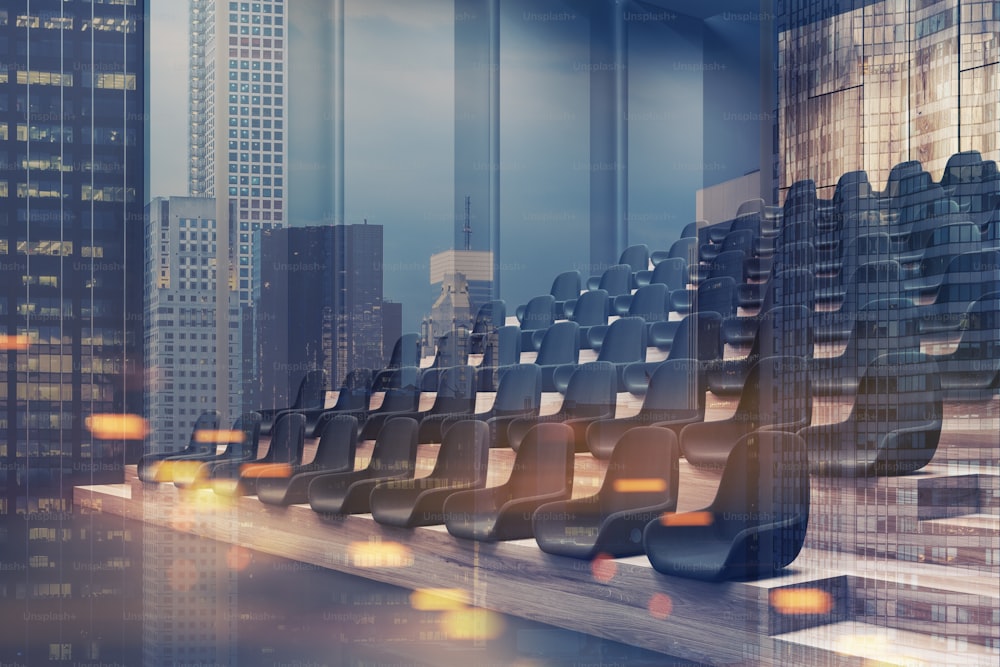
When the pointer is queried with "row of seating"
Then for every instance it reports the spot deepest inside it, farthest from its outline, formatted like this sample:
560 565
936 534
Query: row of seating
755 526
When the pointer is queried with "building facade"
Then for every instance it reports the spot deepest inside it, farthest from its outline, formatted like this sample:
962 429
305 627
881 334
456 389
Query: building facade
319 306
179 311
869 84
242 43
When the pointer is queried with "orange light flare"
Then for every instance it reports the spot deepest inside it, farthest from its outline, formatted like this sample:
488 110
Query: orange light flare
262 470
180 470
660 606
112 426
15 343
439 599
472 624
238 558
796 601
218 436
639 485
182 574
687 519
603 568
378 554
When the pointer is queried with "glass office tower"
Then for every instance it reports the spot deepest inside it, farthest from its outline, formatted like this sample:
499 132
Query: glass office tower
867 85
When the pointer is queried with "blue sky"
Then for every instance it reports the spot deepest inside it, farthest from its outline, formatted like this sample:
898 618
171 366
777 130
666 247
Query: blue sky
399 143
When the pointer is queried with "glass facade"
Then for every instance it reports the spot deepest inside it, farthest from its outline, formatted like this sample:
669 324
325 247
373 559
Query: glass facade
874 84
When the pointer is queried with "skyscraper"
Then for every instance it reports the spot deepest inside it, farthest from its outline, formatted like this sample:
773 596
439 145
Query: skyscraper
867 85
242 43
319 306
72 183
179 314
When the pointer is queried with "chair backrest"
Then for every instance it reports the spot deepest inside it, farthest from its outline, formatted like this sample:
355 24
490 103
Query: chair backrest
717 295
698 336
672 272
776 391
646 453
650 303
504 349
464 453
312 390
871 281
740 239
395 450
337 443
685 248
676 386
591 309
636 256
248 426
963 167
616 280
791 287
766 481
945 243
691 228
206 423
287 439
625 341
538 313
489 316
566 286
793 255
729 263
519 389
544 462
803 191
592 389
406 351
456 390
402 390
356 391
560 345
784 331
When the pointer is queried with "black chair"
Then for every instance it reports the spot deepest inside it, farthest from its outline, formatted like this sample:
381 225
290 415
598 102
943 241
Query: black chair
503 349
969 276
894 426
542 473
394 456
241 445
519 394
283 453
639 486
624 343
784 331
198 445
461 464
871 282
776 397
401 397
972 370
591 395
490 317
565 287
674 398
697 336
717 295
590 310
559 346
791 287
456 395
615 280
539 313
353 398
685 247
334 453
650 302
880 327
310 396
755 526
672 272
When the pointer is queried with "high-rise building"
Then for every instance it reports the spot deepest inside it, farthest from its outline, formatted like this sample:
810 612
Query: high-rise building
72 182
242 43
179 313
319 306
867 85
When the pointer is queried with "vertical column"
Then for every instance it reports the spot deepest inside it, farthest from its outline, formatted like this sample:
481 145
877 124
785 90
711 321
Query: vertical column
223 209
477 127
608 134
337 106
